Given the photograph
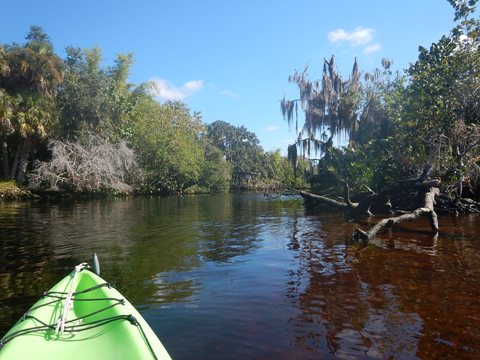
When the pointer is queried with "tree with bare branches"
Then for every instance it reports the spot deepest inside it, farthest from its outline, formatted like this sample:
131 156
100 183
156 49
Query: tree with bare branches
94 166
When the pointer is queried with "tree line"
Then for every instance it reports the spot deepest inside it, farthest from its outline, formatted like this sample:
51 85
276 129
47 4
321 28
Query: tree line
71 124
394 124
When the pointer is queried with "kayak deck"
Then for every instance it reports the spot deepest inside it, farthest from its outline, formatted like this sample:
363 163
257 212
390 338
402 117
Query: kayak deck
97 323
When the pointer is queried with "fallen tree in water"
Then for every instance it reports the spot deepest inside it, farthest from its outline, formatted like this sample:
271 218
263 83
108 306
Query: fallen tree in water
411 198
427 210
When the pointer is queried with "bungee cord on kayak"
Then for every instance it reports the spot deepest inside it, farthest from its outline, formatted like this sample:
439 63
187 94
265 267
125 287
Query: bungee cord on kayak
68 302
70 297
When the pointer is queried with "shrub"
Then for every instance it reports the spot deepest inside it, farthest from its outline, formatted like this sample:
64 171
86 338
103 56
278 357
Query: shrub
94 165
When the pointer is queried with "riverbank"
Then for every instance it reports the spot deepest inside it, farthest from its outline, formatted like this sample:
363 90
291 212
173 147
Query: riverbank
9 191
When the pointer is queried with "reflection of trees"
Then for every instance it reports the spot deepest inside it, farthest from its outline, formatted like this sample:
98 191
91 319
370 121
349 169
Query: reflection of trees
149 248
230 227
223 242
223 228
434 288
410 295
328 290
25 260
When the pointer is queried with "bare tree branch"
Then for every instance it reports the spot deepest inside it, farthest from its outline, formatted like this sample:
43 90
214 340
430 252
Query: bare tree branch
426 210
92 166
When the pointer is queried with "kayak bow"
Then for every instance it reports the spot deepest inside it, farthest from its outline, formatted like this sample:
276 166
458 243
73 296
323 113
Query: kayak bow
82 317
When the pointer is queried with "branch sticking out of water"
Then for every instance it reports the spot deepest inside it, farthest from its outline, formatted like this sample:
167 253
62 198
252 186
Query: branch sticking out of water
426 210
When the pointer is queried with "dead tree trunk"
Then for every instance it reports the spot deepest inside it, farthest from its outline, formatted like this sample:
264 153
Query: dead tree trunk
379 200
402 191
426 210
309 197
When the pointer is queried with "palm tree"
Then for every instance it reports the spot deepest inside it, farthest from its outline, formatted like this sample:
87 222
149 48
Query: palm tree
7 104
4 68
31 75
34 114
34 67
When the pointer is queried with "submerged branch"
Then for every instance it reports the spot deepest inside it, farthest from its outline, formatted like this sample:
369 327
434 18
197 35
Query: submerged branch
401 191
426 210
322 199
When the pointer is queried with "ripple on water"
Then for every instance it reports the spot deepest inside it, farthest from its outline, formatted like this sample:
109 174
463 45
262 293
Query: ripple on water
236 276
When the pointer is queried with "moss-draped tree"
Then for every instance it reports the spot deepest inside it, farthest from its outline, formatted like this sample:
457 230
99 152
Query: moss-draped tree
329 105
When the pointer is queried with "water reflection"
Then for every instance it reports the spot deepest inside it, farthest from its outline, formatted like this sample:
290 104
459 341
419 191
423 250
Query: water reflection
235 276
404 296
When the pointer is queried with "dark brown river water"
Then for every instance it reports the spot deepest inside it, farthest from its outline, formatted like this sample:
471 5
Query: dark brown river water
236 276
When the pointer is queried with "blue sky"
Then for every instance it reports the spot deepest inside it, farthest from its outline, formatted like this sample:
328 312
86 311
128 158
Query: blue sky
231 60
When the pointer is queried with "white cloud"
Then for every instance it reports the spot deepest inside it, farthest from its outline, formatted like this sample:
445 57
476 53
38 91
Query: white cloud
359 36
372 48
164 90
193 85
271 128
230 94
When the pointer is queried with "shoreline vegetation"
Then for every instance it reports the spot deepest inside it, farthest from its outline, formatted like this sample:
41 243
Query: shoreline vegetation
410 140
73 125
10 191
413 138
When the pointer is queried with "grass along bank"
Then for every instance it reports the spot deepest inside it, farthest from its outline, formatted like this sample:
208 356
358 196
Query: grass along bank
9 190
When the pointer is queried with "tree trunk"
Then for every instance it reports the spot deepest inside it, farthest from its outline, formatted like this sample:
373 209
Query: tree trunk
426 209
380 200
18 153
459 171
6 167
459 165
423 203
322 199
22 167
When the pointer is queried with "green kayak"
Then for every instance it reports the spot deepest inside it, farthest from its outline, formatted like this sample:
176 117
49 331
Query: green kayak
82 317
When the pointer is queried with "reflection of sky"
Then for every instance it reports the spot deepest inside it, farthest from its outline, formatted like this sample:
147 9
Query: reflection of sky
341 314
407 295
390 332
251 278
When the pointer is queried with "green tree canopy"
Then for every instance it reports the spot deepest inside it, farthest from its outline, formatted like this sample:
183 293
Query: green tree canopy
241 148
166 138
93 98
441 112
30 78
